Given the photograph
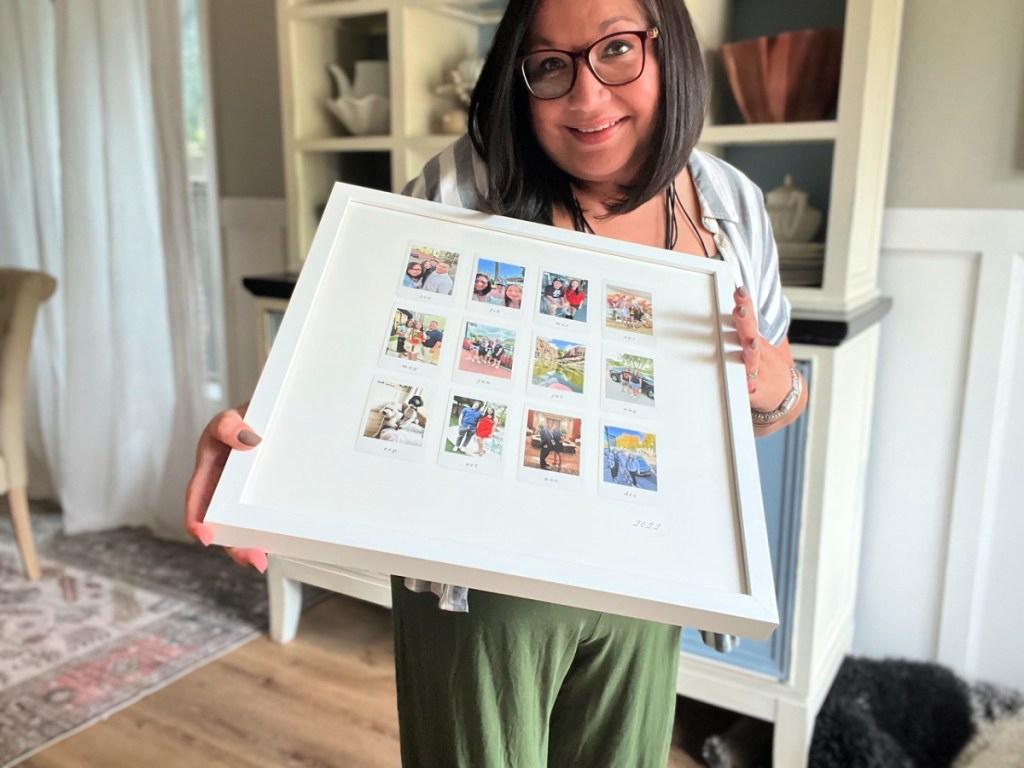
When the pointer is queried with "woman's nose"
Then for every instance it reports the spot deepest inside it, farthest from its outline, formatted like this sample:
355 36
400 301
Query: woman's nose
587 87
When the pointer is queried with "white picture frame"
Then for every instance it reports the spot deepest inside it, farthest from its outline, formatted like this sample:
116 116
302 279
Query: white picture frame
358 466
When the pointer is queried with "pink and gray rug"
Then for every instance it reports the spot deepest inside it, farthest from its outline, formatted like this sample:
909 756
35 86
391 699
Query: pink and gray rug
116 616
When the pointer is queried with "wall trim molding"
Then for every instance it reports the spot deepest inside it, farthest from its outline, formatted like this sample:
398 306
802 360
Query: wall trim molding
995 238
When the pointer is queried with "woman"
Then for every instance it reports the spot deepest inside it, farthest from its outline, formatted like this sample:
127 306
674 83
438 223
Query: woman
482 287
574 298
585 116
513 296
413 275
414 337
484 429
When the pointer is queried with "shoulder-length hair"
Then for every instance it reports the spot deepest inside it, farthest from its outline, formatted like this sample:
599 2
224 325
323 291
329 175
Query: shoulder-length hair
522 181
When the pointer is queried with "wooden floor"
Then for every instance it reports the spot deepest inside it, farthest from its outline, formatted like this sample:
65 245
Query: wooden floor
325 700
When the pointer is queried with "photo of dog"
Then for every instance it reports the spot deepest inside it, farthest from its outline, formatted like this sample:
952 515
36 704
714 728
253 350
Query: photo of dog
400 418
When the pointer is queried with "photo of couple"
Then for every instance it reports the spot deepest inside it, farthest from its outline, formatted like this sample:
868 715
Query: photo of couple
629 379
629 311
415 336
562 296
499 284
630 459
431 270
552 443
476 427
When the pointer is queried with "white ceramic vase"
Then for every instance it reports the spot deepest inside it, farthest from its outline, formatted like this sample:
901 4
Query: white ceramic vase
363 106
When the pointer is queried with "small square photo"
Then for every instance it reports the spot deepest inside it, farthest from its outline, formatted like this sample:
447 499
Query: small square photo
629 311
431 270
499 284
552 442
488 350
563 296
630 458
415 336
476 427
629 379
396 413
558 364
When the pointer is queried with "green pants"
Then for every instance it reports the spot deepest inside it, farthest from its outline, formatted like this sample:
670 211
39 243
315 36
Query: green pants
518 683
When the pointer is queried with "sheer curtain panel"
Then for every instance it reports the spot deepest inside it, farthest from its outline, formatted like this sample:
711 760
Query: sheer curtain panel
124 358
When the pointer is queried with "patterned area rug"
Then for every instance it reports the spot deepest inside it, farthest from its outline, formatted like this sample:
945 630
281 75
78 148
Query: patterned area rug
116 616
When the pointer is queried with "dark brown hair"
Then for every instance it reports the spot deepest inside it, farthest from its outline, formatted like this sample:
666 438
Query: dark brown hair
522 181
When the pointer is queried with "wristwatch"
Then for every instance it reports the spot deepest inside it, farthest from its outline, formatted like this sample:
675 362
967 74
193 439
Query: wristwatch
763 418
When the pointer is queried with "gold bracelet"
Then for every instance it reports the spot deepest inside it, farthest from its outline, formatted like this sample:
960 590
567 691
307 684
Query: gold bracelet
763 418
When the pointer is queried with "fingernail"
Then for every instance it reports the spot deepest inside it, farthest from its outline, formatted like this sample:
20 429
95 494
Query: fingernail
249 438
205 535
742 292
743 311
753 343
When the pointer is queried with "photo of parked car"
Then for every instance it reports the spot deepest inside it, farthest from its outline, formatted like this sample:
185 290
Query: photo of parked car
646 382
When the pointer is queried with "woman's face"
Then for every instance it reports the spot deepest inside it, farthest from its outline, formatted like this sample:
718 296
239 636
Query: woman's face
481 283
414 270
596 133
574 285
513 293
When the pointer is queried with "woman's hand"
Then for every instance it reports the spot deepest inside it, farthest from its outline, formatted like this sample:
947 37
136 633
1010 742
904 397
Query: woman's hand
225 432
768 367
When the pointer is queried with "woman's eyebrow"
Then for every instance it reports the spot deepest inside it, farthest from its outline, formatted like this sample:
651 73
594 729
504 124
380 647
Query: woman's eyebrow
536 41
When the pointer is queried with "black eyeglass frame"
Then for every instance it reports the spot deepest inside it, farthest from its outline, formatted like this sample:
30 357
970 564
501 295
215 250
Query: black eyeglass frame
642 34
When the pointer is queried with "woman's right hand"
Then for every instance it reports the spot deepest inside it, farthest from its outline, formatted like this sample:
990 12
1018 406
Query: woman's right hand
226 431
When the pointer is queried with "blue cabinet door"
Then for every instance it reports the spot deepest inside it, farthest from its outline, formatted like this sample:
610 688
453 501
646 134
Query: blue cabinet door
780 459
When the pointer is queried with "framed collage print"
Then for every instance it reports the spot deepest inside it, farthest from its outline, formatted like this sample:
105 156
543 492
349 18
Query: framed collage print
508 406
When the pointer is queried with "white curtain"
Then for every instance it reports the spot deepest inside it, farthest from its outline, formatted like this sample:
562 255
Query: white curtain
100 201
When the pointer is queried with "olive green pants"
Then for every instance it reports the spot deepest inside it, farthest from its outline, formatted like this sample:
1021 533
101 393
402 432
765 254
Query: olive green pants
518 683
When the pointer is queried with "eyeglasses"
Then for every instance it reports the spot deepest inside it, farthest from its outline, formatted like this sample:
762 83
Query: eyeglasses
614 59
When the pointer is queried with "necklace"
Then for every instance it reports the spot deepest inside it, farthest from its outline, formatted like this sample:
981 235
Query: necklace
672 201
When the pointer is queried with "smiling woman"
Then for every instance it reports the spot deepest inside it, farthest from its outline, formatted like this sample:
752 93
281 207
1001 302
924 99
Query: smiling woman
585 116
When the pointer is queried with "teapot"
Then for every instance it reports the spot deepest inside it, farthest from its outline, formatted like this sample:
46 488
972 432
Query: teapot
793 219
363 107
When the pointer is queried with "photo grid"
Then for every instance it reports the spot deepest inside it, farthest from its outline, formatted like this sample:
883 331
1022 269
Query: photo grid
547 440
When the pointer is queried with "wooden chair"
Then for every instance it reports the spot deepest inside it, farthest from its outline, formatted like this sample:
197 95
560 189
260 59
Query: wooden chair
21 293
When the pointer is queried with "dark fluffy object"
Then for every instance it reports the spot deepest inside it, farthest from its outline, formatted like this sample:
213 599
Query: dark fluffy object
890 714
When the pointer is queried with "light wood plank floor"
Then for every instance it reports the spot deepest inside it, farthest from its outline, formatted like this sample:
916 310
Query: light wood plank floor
327 700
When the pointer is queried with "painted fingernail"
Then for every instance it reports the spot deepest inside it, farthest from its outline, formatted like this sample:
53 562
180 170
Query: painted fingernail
247 437
743 311
205 535
742 292
753 343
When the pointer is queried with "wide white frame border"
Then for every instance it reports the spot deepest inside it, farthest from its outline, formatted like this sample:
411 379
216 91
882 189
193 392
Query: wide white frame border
750 613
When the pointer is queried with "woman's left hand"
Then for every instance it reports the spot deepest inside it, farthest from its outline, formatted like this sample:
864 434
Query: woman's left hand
768 367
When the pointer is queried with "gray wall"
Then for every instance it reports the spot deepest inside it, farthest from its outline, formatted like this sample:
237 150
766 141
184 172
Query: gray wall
958 130
246 98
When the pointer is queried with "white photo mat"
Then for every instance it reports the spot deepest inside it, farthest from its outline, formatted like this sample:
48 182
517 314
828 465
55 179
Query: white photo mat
686 546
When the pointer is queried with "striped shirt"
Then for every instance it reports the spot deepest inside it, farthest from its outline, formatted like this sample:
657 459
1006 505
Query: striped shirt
732 210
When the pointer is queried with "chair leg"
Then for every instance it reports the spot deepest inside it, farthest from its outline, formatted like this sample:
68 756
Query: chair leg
18 498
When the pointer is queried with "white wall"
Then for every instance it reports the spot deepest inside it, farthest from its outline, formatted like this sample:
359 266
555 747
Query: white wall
941 563
958 129
940 566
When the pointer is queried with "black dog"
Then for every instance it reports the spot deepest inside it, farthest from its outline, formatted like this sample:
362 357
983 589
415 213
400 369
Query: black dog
892 714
